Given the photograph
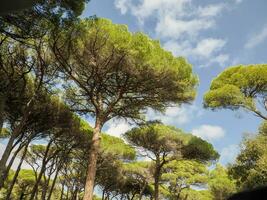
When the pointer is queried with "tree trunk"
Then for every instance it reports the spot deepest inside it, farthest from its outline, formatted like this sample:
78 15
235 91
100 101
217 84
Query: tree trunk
8 167
142 191
103 195
68 191
156 188
62 191
16 174
93 155
4 159
46 183
22 194
17 131
2 111
35 187
53 184
156 179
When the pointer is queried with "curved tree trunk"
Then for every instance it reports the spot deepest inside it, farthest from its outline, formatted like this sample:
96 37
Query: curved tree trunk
62 191
35 187
9 192
11 161
142 191
4 159
91 170
53 184
17 131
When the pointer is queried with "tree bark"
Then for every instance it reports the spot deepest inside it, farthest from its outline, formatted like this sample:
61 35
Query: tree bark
53 184
2 111
156 179
35 187
4 159
11 161
17 131
93 155
142 191
62 191
17 173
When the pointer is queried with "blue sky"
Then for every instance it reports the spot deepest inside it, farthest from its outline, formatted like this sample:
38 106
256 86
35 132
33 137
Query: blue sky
212 35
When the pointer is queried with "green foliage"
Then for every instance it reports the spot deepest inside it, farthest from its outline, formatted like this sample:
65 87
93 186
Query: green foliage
221 185
4 133
239 87
156 138
249 170
164 144
200 150
180 176
116 146
191 194
133 71
169 141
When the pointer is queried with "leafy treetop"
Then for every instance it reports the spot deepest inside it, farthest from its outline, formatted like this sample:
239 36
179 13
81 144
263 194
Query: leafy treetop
240 87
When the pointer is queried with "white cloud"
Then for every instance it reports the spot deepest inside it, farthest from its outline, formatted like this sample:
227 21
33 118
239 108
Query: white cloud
176 115
169 27
228 154
207 49
257 39
180 24
238 1
117 127
208 46
209 132
159 8
122 5
211 10
173 17
221 60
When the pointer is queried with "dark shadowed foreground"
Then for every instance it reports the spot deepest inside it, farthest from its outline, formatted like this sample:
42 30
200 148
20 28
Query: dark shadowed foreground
260 193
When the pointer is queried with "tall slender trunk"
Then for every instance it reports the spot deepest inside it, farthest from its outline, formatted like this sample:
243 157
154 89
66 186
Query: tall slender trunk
68 191
2 111
4 159
53 184
93 155
22 194
17 131
75 193
35 187
142 191
156 179
11 161
9 192
46 183
103 194
62 191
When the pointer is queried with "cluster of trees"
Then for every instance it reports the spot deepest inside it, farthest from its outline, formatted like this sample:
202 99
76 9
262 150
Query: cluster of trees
56 70
245 87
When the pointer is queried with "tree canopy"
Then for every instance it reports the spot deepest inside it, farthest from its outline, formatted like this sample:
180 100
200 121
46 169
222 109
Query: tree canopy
250 167
163 144
240 87
113 73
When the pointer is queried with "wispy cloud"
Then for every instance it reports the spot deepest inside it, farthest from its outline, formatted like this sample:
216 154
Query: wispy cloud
179 24
257 38
209 132
176 116
208 50
117 127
